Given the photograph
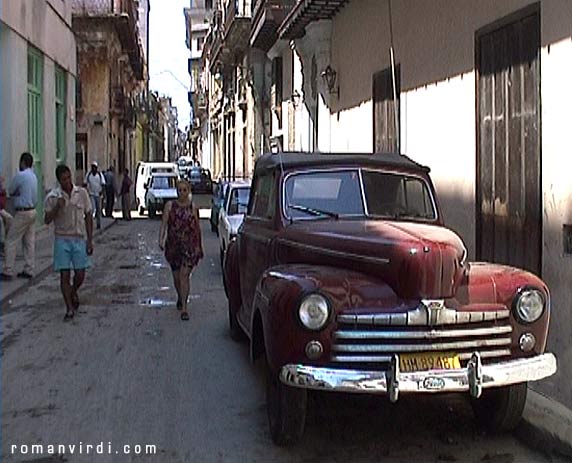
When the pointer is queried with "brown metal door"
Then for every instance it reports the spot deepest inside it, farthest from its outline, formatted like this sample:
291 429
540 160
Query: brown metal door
509 206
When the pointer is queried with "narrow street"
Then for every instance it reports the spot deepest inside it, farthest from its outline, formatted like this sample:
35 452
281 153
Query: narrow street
128 371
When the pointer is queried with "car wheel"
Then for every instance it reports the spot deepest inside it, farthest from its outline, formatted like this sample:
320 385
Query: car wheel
500 409
152 212
236 333
141 210
286 408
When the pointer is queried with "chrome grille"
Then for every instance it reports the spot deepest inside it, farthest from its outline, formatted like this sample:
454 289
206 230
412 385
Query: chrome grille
375 338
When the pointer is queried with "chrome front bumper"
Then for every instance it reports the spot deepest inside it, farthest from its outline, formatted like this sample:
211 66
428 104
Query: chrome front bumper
473 378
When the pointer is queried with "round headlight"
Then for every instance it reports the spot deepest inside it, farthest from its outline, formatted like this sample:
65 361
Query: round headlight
529 305
314 311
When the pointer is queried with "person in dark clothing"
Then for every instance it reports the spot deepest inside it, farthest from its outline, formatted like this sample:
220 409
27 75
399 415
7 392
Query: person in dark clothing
126 195
109 192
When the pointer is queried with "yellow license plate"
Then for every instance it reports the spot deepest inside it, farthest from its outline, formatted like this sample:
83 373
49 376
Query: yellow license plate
428 361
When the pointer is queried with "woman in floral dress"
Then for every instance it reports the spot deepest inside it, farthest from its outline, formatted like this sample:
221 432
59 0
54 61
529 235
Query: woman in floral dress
180 238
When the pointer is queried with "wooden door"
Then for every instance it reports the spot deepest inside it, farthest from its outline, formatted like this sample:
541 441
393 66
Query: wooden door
385 106
509 204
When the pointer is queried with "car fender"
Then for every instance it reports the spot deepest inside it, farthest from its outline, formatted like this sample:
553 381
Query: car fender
275 328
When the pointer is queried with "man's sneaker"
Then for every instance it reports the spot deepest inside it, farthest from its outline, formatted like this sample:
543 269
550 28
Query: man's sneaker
25 275
5 277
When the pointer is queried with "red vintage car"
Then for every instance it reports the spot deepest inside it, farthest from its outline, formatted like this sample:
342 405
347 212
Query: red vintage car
344 278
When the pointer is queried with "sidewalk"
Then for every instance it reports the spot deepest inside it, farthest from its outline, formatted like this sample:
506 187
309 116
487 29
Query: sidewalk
44 255
546 425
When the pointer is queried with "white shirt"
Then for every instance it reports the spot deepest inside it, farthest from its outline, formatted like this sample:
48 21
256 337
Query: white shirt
95 183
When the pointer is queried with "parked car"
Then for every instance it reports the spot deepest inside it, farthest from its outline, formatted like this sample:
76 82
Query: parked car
219 190
344 278
184 163
160 189
232 213
143 175
200 180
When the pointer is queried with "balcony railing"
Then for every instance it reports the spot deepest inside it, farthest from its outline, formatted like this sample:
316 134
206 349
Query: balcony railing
236 9
267 15
104 7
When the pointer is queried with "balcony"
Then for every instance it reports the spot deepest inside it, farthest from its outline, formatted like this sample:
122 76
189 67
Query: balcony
234 32
124 14
305 12
267 16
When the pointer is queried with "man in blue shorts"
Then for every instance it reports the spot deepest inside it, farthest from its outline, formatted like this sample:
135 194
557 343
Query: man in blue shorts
69 207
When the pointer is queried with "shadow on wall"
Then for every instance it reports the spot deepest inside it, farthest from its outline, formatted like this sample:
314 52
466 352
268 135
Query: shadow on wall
423 42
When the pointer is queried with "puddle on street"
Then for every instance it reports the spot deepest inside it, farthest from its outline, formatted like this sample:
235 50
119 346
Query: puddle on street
154 333
156 303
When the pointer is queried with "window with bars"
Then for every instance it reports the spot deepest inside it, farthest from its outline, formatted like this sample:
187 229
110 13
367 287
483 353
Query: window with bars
61 92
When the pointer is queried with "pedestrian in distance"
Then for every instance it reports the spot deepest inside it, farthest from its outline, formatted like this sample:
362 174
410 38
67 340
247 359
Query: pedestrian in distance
95 182
24 191
180 238
70 208
109 191
125 194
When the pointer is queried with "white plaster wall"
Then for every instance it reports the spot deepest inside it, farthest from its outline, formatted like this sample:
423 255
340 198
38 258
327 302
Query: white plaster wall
557 192
45 24
14 101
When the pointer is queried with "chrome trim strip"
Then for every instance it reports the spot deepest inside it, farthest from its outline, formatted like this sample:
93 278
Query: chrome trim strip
331 252
442 346
387 358
420 317
432 334
433 381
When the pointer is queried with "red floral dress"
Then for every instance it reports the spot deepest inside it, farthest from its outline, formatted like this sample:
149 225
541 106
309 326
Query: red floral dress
183 246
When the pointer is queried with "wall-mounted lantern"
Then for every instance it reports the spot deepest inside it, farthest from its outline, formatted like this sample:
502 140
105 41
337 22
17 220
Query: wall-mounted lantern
330 77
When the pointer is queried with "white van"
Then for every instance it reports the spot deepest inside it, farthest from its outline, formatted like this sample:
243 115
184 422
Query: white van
144 172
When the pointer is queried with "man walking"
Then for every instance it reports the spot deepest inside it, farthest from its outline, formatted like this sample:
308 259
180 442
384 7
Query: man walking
69 207
109 192
95 182
24 191
125 194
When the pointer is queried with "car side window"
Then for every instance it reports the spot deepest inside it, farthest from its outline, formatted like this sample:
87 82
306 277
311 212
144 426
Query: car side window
264 198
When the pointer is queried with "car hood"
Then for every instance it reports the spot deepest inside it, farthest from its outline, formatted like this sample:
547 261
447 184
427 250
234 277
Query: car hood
167 193
416 260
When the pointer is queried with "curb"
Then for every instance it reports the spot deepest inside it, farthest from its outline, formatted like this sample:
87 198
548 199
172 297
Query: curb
40 275
546 425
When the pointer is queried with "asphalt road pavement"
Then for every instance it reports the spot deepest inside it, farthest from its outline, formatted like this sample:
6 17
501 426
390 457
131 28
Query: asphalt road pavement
127 372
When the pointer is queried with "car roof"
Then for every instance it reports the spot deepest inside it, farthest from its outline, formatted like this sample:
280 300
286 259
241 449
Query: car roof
239 184
291 160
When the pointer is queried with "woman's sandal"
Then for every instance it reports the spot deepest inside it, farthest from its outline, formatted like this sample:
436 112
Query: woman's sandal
185 316
68 316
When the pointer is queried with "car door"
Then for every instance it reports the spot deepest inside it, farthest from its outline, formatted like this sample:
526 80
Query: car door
255 236
223 222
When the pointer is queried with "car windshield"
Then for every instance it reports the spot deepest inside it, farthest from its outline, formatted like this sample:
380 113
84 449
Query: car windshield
332 194
238 200
164 183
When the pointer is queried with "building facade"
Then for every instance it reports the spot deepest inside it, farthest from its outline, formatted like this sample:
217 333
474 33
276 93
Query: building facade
37 88
198 22
111 73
